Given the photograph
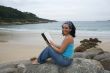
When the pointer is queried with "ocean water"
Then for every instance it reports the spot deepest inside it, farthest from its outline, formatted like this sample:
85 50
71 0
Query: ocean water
85 28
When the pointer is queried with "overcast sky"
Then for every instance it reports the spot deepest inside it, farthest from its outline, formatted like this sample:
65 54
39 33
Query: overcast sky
76 10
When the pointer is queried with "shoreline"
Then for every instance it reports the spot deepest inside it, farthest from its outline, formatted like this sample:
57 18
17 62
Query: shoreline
26 22
17 45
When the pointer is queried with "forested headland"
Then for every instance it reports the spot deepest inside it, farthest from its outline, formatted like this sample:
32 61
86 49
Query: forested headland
10 15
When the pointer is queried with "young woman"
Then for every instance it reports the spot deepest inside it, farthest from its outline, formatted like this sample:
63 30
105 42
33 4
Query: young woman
61 55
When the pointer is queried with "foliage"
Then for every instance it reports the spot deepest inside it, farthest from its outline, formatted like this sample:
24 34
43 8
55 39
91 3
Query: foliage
10 15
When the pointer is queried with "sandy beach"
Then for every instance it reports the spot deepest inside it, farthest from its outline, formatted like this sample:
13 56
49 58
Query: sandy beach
15 45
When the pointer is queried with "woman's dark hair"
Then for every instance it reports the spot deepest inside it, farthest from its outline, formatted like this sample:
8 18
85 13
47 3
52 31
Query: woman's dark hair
72 27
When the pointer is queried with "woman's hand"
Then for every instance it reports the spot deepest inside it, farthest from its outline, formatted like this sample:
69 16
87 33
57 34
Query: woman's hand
52 43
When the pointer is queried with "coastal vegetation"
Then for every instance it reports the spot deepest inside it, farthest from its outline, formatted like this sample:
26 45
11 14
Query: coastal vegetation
10 15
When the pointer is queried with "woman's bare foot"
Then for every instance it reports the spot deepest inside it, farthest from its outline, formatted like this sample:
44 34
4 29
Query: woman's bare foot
34 60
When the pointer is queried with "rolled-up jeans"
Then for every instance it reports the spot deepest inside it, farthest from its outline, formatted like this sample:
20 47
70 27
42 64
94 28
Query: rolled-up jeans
57 58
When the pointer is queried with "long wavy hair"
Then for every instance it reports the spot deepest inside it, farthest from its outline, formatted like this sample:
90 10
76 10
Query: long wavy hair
72 27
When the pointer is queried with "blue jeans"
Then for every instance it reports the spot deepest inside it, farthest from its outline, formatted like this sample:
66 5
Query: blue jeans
58 58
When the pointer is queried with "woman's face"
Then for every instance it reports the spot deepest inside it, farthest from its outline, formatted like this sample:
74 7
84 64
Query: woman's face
65 29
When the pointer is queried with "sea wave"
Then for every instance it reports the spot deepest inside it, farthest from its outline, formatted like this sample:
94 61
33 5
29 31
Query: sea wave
28 30
93 33
78 32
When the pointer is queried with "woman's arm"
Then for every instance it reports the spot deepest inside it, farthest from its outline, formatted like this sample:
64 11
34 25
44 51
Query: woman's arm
54 44
65 43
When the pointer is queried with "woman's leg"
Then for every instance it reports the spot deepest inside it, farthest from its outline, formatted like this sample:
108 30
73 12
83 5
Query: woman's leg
57 57
43 56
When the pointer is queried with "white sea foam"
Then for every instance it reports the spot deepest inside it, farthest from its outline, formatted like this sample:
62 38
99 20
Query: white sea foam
78 32
93 33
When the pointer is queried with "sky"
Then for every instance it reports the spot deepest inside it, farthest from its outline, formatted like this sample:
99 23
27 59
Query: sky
61 10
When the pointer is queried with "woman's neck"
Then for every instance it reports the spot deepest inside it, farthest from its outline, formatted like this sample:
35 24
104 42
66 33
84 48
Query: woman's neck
67 35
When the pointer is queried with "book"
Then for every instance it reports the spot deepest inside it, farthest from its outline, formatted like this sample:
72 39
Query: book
46 36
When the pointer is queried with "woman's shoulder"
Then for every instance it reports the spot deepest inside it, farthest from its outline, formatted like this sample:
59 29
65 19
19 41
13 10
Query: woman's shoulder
69 38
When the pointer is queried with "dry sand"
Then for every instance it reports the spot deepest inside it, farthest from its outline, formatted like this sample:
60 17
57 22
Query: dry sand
24 45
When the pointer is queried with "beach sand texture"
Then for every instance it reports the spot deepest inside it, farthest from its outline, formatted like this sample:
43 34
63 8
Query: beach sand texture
24 45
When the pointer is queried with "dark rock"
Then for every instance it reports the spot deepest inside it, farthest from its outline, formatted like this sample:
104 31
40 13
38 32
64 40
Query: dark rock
87 44
89 53
80 48
104 60
106 71
106 63
102 56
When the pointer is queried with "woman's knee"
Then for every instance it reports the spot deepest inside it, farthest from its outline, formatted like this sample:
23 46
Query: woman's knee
49 48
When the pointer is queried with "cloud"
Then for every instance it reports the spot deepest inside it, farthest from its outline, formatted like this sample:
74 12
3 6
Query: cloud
64 9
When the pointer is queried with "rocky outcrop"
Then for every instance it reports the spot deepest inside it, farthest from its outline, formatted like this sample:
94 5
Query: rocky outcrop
88 49
13 67
106 71
102 56
89 53
79 65
87 44
42 68
97 54
104 59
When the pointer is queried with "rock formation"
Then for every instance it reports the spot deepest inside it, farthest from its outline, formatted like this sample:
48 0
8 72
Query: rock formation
79 65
